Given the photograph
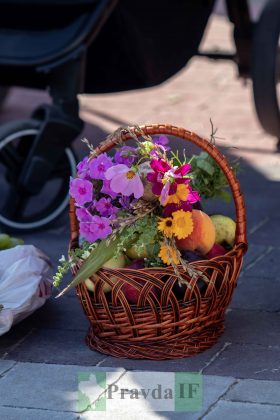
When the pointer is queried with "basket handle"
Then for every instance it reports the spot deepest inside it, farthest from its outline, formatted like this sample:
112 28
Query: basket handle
110 142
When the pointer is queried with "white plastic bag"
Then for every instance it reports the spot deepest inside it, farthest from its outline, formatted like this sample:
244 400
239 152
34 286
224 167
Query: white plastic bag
24 284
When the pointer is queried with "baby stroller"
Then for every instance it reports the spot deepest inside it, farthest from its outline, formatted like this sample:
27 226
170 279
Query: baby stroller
71 47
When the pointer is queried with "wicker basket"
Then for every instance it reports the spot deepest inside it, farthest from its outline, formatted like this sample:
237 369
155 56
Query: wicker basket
160 326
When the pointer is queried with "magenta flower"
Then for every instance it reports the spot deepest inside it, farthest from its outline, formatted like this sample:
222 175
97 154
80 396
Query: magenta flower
98 228
82 168
171 208
83 214
99 165
165 178
105 207
125 181
81 190
126 155
193 196
107 190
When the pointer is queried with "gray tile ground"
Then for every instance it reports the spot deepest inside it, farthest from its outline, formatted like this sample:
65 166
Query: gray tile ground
243 411
247 361
249 390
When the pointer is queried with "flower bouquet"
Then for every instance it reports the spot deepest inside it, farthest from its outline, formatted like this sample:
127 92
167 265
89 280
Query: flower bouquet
149 264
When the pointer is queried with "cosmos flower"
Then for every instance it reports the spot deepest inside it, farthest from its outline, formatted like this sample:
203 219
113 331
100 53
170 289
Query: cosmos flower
125 180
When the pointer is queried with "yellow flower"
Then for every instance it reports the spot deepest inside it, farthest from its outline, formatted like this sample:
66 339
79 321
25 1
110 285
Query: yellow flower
166 226
181 194
168 255
182 223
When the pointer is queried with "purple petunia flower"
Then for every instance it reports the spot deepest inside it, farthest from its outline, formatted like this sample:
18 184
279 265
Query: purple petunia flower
98 228
105 207
126 155
125 181
162 142
99 165
82 168
83 214
81 190
107 190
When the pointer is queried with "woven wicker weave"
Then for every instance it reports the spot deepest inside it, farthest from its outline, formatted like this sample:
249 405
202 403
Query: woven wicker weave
160 326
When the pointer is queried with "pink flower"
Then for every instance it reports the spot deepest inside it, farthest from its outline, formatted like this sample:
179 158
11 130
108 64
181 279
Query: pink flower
83 214
82 168
98 228
165 178
107 190
81 190
99 165
105 207
126 155
125 181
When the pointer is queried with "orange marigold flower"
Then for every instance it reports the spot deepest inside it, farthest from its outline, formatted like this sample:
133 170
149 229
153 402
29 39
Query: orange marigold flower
165 225
181 194
182 223
168 255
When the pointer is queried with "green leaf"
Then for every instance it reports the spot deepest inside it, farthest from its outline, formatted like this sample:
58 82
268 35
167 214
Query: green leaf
206 167
98 257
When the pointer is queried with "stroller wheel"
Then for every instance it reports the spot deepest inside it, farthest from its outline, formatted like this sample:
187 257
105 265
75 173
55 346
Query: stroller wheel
19 211
266 67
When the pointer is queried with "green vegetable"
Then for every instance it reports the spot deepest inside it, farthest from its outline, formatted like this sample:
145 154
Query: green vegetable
208 178
7 241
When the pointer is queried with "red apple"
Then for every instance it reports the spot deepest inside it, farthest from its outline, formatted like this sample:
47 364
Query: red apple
216 251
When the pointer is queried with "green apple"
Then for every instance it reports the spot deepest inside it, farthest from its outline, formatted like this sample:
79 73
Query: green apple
118 262
225 229
146 251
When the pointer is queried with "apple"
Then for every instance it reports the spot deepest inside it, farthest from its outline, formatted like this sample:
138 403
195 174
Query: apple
119 262
225 228
216 251
202 238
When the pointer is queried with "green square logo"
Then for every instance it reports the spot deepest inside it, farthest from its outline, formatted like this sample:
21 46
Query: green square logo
188 391
91 391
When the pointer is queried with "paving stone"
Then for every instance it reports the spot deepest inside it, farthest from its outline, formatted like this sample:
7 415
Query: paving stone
269 233
243 411
65 313
249 390
213 388
247 361
265 264
12 413
46 386
5 365
252 327
56 346
190 364
257 293
15 336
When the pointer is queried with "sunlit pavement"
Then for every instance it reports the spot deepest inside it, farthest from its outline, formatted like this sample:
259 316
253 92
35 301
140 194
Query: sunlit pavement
242 371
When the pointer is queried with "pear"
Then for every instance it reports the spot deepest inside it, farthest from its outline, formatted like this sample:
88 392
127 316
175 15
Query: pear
225 229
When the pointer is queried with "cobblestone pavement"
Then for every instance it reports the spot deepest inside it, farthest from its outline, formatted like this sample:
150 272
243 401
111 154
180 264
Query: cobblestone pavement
241 372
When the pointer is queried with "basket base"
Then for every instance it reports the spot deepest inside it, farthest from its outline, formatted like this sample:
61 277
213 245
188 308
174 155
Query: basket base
186 346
